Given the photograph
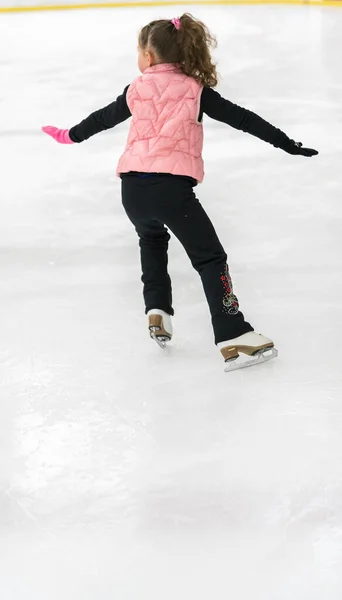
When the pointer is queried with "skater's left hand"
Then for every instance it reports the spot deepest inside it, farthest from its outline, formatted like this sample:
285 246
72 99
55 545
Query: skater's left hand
60 135
296 148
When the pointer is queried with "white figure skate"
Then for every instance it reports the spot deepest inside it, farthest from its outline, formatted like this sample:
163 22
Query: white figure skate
160 326
255 346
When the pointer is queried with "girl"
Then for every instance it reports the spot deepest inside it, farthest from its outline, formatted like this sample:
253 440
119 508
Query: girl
161 165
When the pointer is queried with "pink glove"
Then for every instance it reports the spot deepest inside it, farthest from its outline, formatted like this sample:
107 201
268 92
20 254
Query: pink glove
60 135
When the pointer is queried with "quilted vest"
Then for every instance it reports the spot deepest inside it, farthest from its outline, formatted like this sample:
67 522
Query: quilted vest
165 135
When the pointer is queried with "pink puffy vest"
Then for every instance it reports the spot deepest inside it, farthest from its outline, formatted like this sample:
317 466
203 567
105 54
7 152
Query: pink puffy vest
165 135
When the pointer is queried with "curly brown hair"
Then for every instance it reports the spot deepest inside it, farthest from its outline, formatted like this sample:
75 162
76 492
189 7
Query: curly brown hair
189 47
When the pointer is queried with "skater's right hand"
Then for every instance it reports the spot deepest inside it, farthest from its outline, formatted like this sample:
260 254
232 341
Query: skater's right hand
60 135
296 148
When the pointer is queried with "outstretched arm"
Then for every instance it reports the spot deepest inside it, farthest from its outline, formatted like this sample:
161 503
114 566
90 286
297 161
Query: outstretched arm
100 120
220 109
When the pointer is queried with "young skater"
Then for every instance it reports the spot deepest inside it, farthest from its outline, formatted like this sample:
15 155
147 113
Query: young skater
161 165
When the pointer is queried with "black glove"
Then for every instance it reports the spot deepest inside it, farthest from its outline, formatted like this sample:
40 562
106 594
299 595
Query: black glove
295 148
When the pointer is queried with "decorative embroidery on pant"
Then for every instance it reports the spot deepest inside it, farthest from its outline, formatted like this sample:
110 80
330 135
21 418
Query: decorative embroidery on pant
230 301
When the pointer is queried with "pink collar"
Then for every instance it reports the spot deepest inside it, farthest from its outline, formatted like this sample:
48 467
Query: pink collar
162 67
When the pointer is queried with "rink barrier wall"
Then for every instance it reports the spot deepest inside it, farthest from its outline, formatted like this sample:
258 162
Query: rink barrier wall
41 7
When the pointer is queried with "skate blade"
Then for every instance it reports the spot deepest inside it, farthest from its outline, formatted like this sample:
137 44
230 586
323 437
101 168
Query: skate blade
161 341
257 359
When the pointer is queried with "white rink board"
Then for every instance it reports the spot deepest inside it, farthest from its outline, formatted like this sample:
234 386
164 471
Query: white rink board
16 4
23 3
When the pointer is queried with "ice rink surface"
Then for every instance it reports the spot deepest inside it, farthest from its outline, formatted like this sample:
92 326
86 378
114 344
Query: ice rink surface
131 474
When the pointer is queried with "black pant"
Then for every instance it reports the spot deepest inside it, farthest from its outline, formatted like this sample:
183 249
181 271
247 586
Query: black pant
153 201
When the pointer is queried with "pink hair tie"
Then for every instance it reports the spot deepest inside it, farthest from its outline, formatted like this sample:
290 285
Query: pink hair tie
176 22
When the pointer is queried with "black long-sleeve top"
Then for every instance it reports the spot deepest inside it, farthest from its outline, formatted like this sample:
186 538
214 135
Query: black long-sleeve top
212 104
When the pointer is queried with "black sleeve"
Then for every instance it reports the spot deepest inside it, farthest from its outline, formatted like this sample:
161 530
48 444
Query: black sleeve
220 109
102 119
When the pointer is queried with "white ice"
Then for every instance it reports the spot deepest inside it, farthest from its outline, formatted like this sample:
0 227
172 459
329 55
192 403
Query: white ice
127 473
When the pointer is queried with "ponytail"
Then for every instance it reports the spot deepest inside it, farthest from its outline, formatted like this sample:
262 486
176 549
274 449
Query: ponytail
184 41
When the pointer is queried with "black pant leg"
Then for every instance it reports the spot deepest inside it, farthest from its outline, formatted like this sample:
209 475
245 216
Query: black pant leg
153 242
157 289
183 214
